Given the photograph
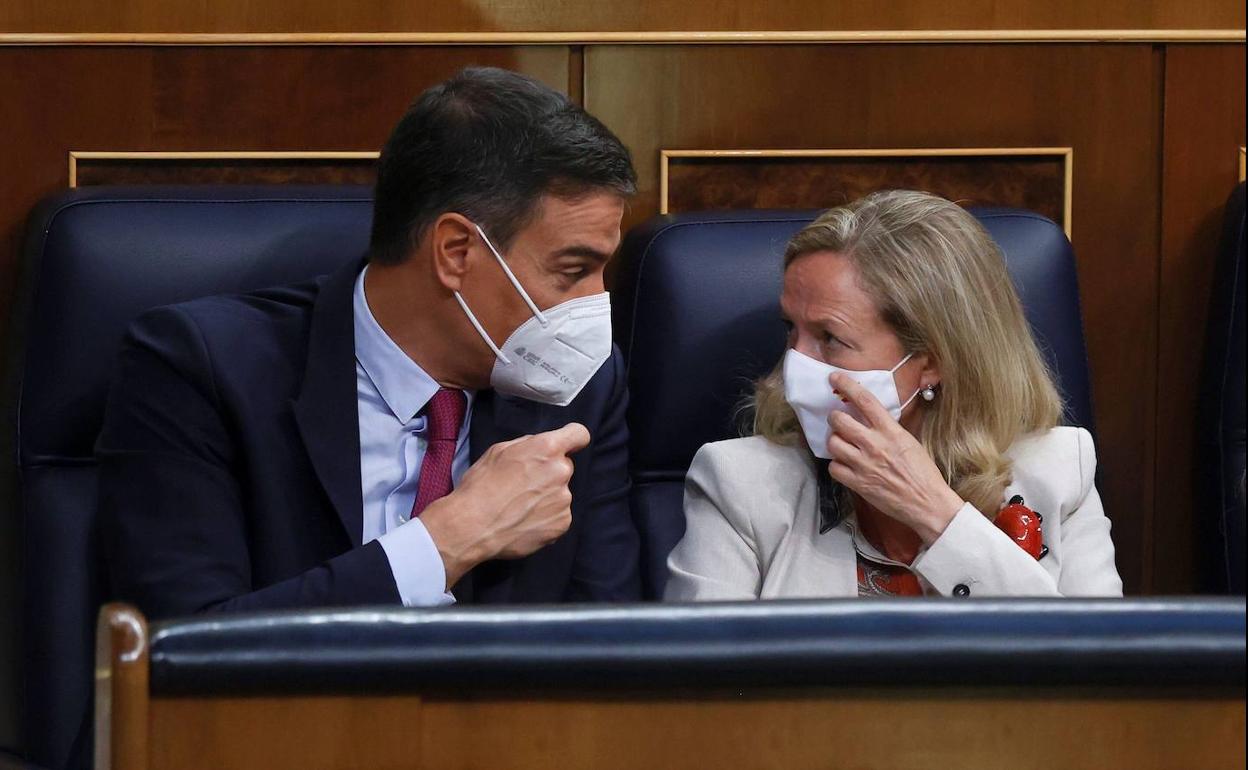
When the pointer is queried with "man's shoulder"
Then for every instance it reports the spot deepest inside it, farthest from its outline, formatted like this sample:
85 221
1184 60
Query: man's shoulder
249 338
265 310
232 322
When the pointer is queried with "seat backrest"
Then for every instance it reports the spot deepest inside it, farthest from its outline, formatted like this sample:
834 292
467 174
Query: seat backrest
95 258
1220 425
697 315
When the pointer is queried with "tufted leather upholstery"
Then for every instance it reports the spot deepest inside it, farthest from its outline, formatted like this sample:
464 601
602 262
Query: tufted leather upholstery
94 259
1221 421
697 316
725 646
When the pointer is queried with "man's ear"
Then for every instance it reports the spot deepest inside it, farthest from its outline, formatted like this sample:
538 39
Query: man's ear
451 237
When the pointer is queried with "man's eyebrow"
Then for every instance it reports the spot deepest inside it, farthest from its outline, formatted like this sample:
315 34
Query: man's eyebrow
580 250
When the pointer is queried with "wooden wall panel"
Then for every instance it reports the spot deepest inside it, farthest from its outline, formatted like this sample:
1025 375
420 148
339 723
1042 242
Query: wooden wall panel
1101 100
899 729
574 15
200 170
1204 131
1033 182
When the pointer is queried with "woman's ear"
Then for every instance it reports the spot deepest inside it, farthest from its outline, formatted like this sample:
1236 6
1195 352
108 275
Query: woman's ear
450 239
929 371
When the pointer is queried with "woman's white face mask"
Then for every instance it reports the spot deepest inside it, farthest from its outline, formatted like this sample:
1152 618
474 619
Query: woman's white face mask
808 390
552 356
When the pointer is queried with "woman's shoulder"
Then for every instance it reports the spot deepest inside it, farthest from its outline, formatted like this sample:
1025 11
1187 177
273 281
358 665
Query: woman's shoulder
753 448
757 485
749 459
1064 456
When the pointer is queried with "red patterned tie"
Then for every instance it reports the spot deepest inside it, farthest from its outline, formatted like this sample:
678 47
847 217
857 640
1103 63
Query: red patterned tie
445 413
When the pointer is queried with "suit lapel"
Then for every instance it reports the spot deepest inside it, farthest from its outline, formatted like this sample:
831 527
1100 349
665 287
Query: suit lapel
498 418
326 407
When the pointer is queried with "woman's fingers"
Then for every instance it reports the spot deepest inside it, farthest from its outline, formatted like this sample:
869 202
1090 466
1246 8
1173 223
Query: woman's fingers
842 451
849 429
867 404
842 473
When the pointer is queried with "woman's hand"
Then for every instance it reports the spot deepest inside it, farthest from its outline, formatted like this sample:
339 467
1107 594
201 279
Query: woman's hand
886 466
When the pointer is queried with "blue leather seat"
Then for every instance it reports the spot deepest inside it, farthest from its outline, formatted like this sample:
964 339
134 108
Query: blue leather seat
1220 427
697 316
94 259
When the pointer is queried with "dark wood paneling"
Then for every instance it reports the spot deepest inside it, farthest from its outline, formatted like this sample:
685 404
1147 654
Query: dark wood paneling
576 15
1031 182
1104 101
96 171
1204 129
902 730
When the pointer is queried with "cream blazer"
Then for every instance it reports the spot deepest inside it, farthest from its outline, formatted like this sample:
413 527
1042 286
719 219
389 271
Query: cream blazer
751 510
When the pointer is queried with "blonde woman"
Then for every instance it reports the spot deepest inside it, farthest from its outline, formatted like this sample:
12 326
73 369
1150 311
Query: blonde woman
908 441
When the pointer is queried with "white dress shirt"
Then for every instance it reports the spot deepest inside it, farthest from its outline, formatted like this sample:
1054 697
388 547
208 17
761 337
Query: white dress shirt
391 390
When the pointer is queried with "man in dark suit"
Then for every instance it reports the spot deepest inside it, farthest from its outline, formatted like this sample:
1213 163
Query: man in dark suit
447 415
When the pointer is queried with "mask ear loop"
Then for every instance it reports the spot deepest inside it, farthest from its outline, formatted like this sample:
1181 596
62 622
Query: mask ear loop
480 330
949 472
900 364
912 395
908 400
524 295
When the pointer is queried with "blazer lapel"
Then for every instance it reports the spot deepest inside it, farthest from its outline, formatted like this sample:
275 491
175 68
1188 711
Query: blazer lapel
326 407
498 418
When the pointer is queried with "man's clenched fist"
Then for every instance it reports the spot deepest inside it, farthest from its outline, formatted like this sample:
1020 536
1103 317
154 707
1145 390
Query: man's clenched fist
511 502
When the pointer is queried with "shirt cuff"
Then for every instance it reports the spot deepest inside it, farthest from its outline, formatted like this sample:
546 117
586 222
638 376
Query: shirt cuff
416 565
951 561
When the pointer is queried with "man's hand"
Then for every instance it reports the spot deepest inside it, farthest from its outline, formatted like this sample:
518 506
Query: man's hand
511 502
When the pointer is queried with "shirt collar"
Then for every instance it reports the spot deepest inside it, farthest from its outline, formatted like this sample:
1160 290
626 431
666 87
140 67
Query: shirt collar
403 385
863 546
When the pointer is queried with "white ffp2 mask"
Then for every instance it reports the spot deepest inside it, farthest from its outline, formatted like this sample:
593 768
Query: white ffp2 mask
553 355
808 391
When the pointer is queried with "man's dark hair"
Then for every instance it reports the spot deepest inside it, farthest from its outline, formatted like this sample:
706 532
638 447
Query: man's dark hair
489 144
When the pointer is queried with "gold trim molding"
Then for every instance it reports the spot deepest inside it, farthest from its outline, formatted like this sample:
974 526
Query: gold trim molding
1242 167
1067 154
627 38
77 155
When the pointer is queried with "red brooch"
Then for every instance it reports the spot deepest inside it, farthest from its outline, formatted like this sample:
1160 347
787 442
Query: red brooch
1023 526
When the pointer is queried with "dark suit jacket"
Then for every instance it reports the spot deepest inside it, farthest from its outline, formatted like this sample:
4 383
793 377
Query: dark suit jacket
230 466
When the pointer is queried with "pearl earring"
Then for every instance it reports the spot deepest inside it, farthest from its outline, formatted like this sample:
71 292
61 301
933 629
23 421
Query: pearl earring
928 393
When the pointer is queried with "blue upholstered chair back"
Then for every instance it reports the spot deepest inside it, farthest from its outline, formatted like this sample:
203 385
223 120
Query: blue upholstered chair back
697 315
94 259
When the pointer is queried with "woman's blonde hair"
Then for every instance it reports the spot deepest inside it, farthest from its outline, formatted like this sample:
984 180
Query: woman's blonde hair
940 283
